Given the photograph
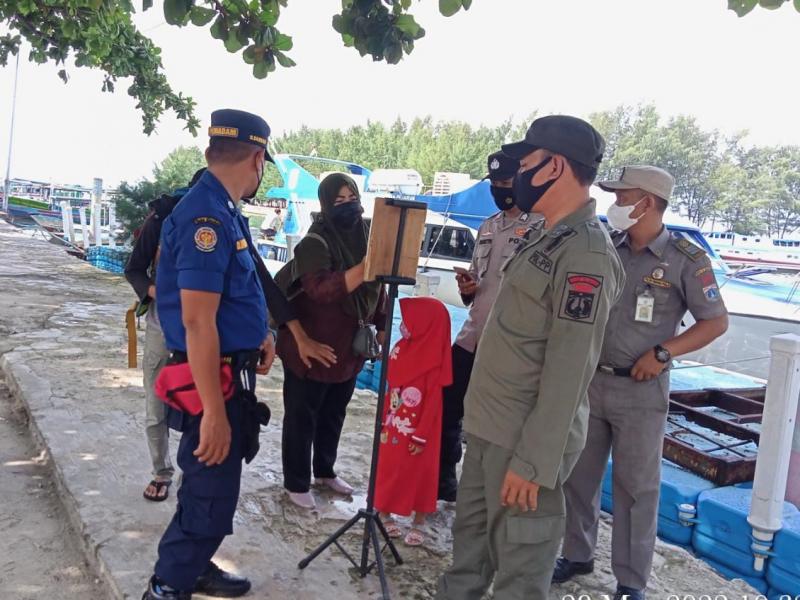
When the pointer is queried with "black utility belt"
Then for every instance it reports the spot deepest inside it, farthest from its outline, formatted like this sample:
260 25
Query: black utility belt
241 358
618 371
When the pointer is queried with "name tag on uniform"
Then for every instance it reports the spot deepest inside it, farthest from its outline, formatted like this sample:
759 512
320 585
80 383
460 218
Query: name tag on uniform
645 303
241 244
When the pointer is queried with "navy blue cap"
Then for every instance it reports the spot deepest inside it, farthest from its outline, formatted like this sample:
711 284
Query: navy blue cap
568 136
241 126
501 166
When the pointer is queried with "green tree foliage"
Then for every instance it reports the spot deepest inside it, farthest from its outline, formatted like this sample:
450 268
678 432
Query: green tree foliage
720 182
717 179
98 34
131 203
178 167
423 144
743 7
174 172
101 34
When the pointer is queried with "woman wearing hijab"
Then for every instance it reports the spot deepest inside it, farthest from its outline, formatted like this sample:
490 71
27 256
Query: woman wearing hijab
331 299
408 463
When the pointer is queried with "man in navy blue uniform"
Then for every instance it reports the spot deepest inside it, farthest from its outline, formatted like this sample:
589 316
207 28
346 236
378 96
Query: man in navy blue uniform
212 309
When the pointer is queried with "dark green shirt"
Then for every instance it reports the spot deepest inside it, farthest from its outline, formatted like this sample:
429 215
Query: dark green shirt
541 346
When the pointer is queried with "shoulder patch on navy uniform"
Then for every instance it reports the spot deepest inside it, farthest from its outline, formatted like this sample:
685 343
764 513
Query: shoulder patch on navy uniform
691 250
578 302
207 221
205 239
541 262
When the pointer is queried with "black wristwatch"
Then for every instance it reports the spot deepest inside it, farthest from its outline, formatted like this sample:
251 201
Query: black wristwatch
662 354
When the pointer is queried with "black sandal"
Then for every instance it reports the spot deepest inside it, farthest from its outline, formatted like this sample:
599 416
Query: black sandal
159 485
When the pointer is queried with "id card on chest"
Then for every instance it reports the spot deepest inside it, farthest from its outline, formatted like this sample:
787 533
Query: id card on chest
645 303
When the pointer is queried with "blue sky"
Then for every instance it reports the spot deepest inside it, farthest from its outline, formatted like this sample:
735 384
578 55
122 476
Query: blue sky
501 58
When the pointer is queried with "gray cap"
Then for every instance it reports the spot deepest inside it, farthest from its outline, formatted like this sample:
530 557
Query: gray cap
642 177
569 136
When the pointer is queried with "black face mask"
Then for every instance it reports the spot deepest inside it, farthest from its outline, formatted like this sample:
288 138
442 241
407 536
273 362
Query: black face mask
252 194
345 216
525 194
503 197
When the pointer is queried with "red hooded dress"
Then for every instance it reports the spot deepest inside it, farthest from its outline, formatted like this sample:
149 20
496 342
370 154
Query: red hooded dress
419 367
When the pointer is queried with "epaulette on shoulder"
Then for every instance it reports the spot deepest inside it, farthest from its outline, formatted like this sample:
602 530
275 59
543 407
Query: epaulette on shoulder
491 218
597 237
616 234
557 237
693 251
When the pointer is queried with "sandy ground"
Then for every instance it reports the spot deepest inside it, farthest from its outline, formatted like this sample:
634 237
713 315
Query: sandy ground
39 557
63 349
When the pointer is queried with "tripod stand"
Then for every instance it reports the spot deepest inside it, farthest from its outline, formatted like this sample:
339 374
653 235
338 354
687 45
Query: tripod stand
372 522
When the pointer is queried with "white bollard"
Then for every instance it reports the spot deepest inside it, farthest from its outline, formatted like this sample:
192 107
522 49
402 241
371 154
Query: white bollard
774 448
112 225
84 227
66 220
97 215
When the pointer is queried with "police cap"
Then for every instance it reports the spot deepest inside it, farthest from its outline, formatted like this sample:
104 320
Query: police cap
569 136
501 166
241 126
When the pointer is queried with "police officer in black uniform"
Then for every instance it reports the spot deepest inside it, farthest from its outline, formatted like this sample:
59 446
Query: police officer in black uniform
213 311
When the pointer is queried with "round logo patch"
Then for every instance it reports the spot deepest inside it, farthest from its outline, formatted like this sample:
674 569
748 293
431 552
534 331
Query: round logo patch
658 273
205 238
411 396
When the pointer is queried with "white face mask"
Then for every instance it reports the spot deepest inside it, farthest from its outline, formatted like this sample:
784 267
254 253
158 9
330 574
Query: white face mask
619 217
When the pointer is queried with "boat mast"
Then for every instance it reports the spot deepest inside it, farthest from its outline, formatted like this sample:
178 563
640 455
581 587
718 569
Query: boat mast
7 186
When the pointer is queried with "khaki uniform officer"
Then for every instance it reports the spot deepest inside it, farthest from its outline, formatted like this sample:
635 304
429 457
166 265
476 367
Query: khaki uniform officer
526 407
629 396
498 237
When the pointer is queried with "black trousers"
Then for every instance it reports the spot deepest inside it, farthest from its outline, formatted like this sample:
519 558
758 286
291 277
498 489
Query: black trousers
452 415
314 417
208 496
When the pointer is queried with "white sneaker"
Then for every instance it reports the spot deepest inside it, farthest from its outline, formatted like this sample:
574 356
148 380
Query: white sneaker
303 500
337 484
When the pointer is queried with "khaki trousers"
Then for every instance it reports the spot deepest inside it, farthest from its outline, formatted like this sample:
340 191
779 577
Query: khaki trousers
491 543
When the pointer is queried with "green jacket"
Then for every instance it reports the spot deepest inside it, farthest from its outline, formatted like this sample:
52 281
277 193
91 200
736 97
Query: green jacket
539 351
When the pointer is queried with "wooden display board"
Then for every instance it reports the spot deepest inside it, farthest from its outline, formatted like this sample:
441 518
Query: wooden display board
383 239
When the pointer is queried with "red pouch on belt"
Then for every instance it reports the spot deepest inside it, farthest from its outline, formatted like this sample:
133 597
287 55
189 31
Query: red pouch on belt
175 386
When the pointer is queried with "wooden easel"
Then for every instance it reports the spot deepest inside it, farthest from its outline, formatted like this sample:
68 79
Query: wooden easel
392 255
387 237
